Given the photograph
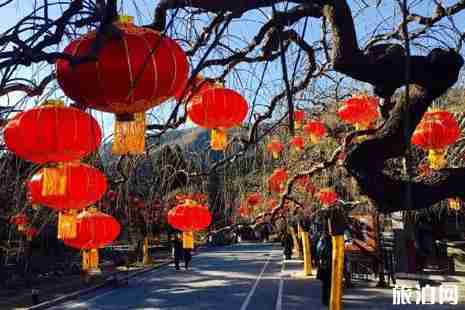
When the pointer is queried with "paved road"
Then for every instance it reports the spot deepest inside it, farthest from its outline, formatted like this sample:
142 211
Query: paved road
239 277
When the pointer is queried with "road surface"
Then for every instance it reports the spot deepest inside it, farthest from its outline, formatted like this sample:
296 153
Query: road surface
238 277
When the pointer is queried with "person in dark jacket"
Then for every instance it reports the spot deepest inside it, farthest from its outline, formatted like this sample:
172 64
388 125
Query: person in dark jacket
287 244
187 257
324 259
424 244
177 251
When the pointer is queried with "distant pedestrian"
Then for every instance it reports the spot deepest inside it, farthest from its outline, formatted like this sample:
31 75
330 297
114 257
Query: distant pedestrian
324 259
177 251
288 244
187 258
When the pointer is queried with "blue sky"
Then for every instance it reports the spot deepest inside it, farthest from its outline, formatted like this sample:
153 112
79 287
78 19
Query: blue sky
239 34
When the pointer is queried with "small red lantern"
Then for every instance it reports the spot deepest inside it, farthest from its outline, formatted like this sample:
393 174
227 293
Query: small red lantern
360 111
244 211
297 143
306 185
52 133
277 180
254 199
218 109
134 72
299 116
328 197
436 131
316 130
30 233
275 148
189 217
20 220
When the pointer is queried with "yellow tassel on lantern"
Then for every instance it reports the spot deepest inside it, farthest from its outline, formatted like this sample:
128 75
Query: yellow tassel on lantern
314 139
129 134
337 273
454 203
54 180
85 260
93 260
188 240
437 159
67 227
275 155
219 139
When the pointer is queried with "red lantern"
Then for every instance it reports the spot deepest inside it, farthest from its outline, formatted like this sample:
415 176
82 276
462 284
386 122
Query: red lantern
218 109
328 197
305 184
277 180
52 133
85 185
297 143
360 111
31 232
254 199
94 230
454 203
299 116
316 130
133 73
189 217
275 148
19 220
436 131
244 211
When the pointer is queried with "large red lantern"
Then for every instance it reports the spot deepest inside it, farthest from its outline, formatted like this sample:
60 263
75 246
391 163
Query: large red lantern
135 71
275 148
436 131
277 180
361 111
217 109
52 133
85 185
316 130
189 217
94 230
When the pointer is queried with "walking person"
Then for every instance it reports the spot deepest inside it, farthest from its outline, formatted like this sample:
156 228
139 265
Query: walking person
287 244
324 259
177 251
187 257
